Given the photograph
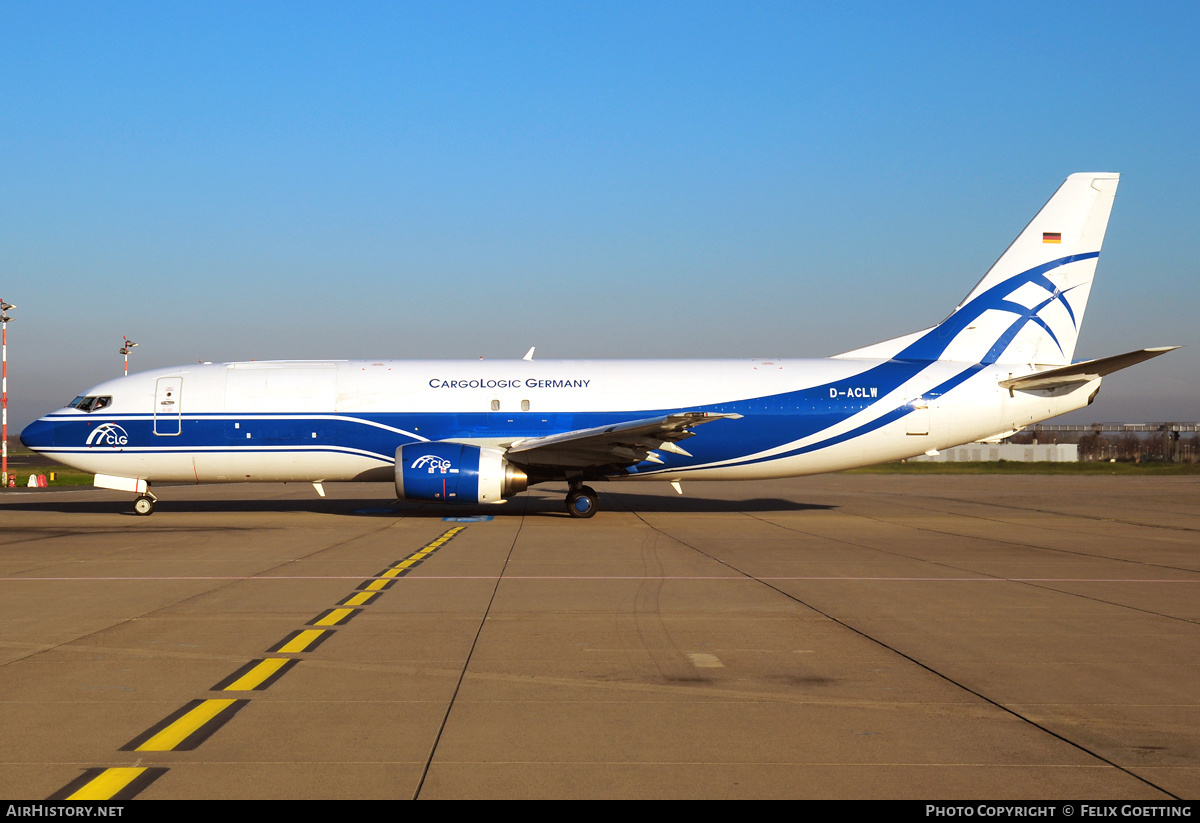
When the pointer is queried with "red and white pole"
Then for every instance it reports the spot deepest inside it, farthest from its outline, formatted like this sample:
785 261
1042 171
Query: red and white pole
4 307
129 344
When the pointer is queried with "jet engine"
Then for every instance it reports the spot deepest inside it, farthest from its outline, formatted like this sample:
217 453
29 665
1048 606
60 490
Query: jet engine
455 473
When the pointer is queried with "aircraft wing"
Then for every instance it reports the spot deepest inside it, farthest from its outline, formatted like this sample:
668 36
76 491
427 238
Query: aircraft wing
621 444
1082 372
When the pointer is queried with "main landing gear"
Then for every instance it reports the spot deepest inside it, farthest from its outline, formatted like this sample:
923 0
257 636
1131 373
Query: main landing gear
581 501
144 505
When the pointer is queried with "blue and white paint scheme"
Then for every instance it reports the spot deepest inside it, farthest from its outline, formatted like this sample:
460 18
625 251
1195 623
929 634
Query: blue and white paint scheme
479 431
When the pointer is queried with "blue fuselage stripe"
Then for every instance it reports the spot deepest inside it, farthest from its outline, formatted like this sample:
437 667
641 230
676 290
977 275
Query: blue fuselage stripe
767 423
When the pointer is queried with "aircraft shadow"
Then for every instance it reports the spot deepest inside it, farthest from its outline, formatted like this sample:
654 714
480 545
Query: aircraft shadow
611 502
165 504
521 506
689 504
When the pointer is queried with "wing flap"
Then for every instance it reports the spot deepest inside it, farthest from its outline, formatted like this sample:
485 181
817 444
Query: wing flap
619 444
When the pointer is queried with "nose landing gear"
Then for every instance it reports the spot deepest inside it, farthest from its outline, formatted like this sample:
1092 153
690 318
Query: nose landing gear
143 505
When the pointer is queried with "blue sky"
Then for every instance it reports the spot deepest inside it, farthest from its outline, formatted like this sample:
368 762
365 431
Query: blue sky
296 180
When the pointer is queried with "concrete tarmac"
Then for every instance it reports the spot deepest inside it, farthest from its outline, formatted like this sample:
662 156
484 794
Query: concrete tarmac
843 636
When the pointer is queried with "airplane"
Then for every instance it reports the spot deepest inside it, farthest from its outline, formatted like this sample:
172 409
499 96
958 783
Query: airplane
482 431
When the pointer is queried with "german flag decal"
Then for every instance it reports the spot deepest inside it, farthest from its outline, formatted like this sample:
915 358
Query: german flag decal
1051 237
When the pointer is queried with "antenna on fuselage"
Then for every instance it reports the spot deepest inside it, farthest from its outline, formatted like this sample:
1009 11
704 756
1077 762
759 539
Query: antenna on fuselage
529 354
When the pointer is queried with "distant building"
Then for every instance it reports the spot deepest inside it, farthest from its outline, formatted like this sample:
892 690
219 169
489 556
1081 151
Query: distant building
982 452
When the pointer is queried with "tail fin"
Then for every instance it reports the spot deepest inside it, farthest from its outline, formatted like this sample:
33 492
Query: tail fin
1029 306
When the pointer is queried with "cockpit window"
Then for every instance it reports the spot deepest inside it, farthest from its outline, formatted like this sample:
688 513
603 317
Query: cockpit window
90 404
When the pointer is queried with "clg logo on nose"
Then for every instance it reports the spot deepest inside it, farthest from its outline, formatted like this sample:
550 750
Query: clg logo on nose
110 434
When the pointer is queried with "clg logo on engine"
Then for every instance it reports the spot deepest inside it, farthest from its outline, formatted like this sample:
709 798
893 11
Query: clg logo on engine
110 434
435 464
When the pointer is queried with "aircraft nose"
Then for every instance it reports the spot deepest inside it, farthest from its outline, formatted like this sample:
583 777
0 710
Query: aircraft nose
38 434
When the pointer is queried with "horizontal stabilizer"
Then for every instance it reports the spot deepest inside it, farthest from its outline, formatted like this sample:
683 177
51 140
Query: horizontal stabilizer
1084 372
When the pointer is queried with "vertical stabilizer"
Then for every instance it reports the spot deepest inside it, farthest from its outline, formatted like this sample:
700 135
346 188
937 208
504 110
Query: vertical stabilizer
1029 306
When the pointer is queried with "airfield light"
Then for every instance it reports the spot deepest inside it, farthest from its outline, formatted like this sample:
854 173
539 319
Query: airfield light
129 344
4 318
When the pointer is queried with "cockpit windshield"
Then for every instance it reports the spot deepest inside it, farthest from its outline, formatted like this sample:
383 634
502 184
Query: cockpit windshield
90 404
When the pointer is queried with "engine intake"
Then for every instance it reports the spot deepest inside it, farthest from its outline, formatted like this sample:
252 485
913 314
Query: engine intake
455 473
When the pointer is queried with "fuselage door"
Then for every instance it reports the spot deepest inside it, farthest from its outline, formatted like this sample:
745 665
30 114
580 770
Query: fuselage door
168 393
917 420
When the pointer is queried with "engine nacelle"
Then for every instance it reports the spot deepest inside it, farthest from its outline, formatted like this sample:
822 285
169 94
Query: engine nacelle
455 473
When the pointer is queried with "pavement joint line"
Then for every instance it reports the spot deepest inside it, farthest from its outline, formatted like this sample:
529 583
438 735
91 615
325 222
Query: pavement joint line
189 726
467 662
391 572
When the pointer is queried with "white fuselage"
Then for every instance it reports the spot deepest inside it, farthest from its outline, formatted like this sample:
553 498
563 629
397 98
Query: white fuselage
344 420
